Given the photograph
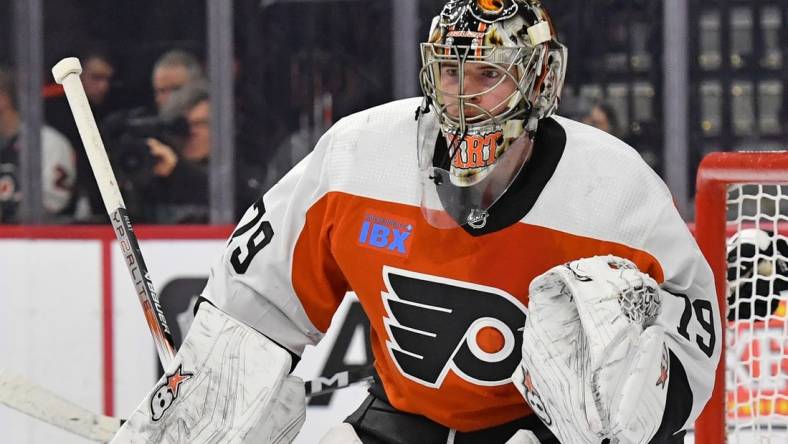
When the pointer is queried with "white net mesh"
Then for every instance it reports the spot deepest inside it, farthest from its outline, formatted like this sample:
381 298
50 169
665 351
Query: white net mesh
756 372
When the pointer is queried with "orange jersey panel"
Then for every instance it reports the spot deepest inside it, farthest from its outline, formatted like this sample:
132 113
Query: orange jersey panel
445 307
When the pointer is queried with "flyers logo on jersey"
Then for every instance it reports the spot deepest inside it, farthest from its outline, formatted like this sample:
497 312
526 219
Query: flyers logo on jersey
386 233
437 325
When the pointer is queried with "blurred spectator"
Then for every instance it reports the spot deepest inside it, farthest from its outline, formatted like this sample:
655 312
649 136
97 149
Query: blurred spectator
603 116
58 168
155 152
97 74
171 71
178 192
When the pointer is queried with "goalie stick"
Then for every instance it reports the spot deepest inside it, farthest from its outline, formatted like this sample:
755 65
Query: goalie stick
66 73
23 395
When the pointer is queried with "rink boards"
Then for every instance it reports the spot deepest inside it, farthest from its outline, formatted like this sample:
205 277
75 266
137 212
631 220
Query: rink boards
72 322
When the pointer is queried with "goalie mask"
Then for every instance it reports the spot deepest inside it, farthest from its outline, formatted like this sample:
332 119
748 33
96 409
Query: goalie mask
757 273
490 70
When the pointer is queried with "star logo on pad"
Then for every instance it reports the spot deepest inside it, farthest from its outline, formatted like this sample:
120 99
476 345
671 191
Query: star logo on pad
175 380
166 393
528 383
664 369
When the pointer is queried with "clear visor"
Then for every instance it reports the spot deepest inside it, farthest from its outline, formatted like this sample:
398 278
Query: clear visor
444 202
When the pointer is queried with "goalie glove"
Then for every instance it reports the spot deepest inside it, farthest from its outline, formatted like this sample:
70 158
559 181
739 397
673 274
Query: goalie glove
594 364
228 383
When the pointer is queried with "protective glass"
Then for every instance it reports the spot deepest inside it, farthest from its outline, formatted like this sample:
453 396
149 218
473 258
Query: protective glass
447 205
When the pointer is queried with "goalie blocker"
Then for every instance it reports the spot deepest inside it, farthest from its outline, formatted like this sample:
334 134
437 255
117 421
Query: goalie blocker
228 383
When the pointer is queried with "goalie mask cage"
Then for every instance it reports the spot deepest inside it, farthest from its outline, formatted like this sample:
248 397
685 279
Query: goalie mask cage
737 191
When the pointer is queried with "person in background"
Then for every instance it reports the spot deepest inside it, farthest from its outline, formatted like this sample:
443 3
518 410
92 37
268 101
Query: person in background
179 191
144 144
602 116
97 74
173 70
58 166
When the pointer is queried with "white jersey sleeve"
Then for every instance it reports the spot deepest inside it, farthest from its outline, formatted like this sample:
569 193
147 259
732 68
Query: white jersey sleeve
277 261
690 315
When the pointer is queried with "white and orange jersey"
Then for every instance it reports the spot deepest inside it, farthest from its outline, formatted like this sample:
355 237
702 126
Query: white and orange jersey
445 305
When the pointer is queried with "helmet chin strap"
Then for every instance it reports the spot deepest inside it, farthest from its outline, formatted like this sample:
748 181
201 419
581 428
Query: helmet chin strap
424 108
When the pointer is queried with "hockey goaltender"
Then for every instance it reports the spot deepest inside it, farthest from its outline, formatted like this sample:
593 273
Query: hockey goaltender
526 277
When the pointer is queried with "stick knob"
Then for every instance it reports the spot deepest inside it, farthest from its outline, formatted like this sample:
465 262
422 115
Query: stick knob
66 67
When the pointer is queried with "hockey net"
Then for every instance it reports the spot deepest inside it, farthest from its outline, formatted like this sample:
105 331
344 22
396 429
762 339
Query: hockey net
739 195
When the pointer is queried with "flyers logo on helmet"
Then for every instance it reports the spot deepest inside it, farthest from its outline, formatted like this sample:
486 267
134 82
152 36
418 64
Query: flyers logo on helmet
490 5
486 11
493 10
437 325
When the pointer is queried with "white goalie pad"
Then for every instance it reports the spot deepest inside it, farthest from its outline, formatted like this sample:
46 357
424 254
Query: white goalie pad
594 365
228 384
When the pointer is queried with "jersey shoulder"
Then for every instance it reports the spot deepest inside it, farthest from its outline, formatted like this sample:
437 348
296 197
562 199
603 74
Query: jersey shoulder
372 153
601 188
596 153
386 118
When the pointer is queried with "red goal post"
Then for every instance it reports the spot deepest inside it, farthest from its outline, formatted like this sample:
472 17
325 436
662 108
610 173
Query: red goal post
718 177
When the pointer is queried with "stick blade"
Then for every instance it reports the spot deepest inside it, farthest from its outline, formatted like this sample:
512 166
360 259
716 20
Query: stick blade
23 395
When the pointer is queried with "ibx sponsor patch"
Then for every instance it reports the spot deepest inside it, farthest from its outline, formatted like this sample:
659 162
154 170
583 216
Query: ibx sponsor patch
386 233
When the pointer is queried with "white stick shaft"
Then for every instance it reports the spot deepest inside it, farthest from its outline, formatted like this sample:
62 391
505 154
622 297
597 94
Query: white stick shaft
33 400
88 132
66 72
